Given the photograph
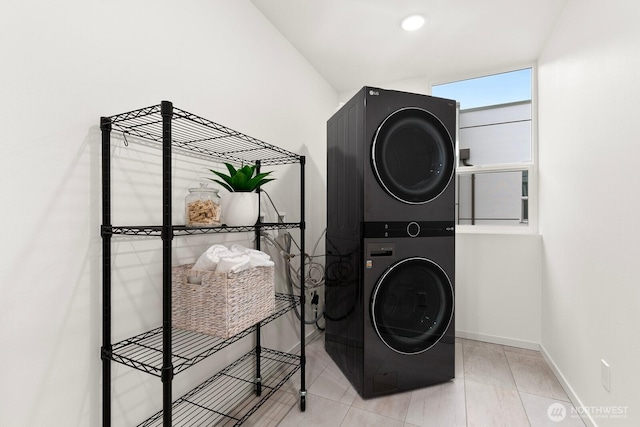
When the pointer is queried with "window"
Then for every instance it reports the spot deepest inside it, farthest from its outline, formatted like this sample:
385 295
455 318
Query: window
495 150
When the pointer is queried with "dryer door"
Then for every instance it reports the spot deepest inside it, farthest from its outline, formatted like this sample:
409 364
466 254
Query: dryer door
412 305
413 155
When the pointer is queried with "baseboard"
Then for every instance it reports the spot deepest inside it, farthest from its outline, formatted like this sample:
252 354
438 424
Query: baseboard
499 340
315 333
575 400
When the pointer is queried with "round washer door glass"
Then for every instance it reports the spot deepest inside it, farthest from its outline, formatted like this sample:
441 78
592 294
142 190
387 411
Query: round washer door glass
413 155
412 305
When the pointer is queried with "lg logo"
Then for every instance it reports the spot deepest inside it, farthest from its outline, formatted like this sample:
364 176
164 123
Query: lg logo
374 93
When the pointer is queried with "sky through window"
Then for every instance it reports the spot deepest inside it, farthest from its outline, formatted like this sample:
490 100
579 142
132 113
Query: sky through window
495 89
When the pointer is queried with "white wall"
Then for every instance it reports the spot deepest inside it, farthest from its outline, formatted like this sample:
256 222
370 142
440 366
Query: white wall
589 151
498 288
65 65
416 85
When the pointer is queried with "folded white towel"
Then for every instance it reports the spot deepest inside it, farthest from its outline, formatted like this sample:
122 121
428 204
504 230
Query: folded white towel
259 261
254 262
251 252
233 264
238 258
257 258
210 258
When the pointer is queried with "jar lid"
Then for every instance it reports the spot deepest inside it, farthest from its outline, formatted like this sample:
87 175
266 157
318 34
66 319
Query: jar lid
203 187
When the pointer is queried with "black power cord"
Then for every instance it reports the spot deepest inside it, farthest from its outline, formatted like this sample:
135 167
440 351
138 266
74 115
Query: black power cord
290 271
307 260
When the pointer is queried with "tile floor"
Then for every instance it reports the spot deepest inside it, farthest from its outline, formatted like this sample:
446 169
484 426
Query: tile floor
495 386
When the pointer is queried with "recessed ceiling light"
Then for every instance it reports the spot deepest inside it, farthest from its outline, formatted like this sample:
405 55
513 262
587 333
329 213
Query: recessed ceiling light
412 22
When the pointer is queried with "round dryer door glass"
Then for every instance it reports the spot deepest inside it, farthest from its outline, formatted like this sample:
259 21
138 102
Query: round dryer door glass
413 155
412 305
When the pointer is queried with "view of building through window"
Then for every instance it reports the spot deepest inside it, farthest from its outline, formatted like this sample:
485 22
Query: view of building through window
494 147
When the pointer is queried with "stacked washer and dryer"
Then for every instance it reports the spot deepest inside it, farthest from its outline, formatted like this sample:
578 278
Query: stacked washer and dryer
389 294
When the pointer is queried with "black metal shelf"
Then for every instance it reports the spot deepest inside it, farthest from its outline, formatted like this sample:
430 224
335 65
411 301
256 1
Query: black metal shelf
181 230
192 134
165 351
144 351
228 398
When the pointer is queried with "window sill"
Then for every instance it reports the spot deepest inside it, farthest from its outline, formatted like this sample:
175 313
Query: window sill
489 229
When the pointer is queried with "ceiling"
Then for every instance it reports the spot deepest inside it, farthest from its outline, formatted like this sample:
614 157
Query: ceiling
353 43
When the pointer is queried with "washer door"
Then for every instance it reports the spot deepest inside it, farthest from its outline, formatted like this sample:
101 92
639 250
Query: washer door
412 305
413 155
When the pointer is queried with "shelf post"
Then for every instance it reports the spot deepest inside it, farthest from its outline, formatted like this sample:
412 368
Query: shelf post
258 387
166 110
259 223
105 354
303 360
258 380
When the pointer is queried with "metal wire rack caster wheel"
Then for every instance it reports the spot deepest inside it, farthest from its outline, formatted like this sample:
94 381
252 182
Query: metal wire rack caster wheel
258 387
303 401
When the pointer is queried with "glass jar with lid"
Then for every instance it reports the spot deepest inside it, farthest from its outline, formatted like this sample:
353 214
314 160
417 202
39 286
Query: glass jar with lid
203 207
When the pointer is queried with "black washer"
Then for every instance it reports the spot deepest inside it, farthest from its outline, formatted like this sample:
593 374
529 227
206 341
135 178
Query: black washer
412 305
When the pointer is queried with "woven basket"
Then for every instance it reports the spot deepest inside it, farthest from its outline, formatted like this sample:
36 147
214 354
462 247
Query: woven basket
224 304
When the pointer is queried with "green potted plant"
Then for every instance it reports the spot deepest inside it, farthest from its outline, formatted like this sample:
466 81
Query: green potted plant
241 206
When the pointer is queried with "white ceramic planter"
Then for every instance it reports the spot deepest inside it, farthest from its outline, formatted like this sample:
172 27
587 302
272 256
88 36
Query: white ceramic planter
240 209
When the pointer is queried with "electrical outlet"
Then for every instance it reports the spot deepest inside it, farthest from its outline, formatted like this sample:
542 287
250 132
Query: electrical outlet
605 375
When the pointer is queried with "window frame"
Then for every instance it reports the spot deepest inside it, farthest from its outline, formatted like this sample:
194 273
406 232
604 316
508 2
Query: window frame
532 225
